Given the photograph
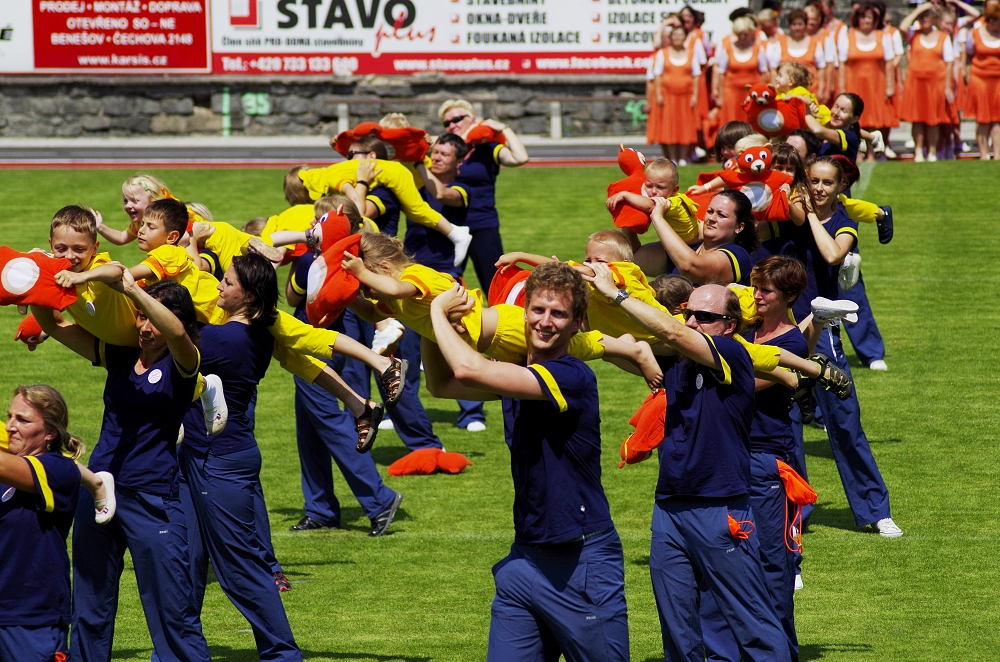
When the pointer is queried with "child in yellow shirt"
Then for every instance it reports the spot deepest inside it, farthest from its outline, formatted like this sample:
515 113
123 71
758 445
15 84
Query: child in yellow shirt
138 192
661 182
793 80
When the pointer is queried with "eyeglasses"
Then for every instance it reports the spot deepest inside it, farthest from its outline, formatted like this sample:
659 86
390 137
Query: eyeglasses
354 152
454 120
704 316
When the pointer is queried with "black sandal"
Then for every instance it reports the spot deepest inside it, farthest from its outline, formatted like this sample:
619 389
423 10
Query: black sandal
832 378
394 379
367 425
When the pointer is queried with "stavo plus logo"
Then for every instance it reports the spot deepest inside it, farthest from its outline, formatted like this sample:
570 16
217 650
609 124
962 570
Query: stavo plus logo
244 13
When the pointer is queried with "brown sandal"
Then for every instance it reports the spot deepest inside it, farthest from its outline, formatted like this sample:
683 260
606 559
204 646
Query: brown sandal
367 425
394 379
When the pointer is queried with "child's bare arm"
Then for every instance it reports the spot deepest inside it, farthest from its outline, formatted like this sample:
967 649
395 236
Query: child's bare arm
638 354
384 285
508 259
367 311
116 237
286 237
713 185
634 199
107 273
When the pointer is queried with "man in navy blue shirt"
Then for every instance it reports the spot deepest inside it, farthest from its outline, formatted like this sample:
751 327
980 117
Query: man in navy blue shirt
702 522
561 590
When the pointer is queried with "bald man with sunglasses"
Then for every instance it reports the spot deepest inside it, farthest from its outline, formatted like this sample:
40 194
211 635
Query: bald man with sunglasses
702 523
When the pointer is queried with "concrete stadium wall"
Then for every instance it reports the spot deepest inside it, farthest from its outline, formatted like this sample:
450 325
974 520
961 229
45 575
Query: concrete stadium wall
129 106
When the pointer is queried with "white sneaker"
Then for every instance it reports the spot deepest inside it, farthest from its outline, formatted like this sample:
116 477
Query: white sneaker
387 337
910 143
461 236
850 271
180 435
682 162
700 153
878 142
213 399
918 157
386 424
878 364
863 147
890 154
104 509
830 313
475 426
932 156
798 582
887 528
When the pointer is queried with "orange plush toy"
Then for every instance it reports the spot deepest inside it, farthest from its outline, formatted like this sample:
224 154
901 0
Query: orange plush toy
508 286
482 134
30 278
405 144
633 164
759 183
771 116
30 333
330 289
425 461
648 421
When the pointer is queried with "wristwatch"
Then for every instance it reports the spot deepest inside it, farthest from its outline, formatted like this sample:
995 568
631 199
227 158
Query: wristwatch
622 295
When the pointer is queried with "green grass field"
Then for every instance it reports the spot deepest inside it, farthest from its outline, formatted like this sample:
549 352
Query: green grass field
423 593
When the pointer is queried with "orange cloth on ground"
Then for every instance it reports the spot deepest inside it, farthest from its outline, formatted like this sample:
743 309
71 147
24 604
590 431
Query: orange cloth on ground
420 462
507 286
331 289
648 421
735 79
30 278
982 97
923 97
678 123
404 144
865 76
632 163
452 463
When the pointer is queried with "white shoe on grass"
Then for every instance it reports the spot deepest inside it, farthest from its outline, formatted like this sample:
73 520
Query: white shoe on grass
387 337
878 142
850 271
461 236
386 424
878 364
475 426
798 582
104 509
213 400
887 528
831 313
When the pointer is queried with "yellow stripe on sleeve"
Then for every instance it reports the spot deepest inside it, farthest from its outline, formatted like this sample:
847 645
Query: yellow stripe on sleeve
843 140
553 387
184 373
496 152
737 276
375 200
850 231
43 483
465 195
727 376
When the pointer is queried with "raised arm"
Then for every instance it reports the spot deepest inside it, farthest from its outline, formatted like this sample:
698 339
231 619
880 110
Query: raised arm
712 266
515 153
73 336
833 249
442 193
180 345
904 25
384 285
822 132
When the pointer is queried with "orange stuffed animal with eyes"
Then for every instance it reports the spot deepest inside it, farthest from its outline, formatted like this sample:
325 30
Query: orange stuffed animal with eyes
771 116
759 183
633 164
404 144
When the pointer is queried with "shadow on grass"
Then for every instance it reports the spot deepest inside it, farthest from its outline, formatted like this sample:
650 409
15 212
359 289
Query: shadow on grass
836 518
227 654
442 415
818 448
819 651
386 455
641 560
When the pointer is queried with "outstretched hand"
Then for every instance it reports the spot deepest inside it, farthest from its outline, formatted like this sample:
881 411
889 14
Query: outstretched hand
353 264
455 302
602 280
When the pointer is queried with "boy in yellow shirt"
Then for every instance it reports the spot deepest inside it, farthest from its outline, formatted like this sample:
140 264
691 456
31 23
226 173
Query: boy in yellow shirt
661 181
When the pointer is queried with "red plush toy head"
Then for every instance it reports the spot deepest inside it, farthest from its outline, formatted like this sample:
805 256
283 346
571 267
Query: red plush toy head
755 160
29 331
329 288
761 94
772 116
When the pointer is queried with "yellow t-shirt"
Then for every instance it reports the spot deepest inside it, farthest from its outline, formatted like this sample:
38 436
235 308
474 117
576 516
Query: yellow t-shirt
604 316
415 312
682 216
296 218
227 242
105 313
173 263
822 113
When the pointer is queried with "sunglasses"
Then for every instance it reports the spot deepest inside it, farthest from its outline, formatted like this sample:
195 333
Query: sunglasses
454 120
355 152
703 316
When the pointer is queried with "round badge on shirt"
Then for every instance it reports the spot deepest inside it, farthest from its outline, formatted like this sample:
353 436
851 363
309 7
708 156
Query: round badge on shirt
8 494
156 375
699 381
91 309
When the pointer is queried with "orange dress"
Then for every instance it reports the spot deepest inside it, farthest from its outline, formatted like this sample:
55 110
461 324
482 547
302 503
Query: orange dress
653 116
679 122
982 98
894 102
735 79
698 35
923 97
807 59
865 76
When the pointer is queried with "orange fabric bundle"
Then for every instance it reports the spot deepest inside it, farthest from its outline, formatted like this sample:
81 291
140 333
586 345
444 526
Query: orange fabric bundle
452 463
30 278
482 134
404 144
29 331
736 528
330 289
508 286
648 421
799 492
633 164
425 461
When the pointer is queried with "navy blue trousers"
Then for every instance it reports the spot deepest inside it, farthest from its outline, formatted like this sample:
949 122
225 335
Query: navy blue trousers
557 600
864 334
154 530
692 547
484 251
222 489
770 512
866 491
31 644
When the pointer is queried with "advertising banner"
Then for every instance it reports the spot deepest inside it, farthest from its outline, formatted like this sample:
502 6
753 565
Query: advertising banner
337 37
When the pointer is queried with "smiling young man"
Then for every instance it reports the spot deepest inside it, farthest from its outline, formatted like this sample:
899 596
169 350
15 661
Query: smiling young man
702 521
562 587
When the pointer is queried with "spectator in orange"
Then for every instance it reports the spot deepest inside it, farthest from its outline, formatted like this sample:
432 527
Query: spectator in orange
693 20
677 71
801 47
739 61
982 99
928 84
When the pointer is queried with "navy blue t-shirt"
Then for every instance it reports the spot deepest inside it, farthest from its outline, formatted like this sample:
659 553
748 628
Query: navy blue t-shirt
706 443
388 210
142 414
240 355
34 574
555 456
738 258
771 430
478 176
429 247
847 145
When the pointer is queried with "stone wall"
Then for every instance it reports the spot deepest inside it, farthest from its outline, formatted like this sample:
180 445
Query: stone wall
123 106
